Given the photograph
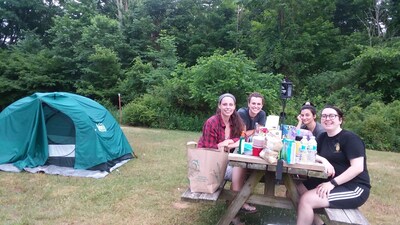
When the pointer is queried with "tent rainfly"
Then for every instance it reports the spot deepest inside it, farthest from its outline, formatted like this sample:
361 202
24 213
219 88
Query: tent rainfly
61 133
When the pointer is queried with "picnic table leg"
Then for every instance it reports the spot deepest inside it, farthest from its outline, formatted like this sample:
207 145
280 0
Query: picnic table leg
269 187
241 197
291 189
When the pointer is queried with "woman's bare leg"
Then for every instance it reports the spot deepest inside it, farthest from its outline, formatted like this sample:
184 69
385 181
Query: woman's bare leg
308 202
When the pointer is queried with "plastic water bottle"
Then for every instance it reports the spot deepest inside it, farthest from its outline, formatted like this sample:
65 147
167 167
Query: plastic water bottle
298 146
303 150
298 155
312 149
241 143
256 129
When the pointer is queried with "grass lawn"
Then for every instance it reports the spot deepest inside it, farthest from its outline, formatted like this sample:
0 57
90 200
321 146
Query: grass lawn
147 190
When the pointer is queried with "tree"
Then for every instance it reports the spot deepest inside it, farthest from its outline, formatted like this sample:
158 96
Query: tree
230 72
22 16
97 55
201 27
142 78
293 41
348 14
137 30
378 70
25 68
136 83
100 76
393 25
65 34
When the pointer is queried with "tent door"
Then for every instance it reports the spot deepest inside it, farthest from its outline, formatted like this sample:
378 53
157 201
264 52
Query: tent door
61 137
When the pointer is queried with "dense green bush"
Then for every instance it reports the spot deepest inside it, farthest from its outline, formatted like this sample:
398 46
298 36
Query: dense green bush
189 97
181 121
153 111
231 72
378 125
140 112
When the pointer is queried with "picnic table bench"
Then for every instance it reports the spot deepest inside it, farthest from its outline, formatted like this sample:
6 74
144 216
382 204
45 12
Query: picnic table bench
260 168
190 196
345 216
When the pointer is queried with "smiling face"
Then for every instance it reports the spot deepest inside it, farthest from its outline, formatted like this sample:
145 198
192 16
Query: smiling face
307 116
227 106
331 120
255 105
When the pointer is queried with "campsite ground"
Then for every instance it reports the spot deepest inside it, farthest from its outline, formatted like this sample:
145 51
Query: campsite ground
147 190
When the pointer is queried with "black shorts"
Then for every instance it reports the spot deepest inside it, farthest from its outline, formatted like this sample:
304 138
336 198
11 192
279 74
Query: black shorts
347 196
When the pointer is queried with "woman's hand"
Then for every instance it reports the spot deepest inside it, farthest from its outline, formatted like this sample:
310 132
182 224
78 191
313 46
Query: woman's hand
329 170
299 123
299 118
328 166
324 189
225 144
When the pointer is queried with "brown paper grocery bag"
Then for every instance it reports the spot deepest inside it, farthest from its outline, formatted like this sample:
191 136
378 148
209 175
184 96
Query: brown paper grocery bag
206 168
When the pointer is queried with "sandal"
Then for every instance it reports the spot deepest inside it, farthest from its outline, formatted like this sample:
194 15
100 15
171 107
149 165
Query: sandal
247 208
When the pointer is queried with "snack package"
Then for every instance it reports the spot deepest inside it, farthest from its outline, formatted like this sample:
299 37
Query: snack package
287 131
274 145
269 155
293 132
274 142
301 133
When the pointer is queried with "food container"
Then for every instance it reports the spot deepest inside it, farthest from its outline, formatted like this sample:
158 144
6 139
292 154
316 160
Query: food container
248 148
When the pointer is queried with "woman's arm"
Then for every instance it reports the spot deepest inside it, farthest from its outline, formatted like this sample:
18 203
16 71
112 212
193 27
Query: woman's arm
249 133
235 144
329 169
228 144
299 122
356 167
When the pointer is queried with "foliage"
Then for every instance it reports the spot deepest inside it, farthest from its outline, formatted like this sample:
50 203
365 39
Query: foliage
378 124
18 17
142 77
231 72
158 109
26 68
294 42
136 82
189 97
100 77
393 25
202 27
348 13
140 112
164 54
137 30
378 70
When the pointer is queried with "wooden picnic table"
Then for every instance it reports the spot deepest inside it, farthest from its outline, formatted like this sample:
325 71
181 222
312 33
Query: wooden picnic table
259 168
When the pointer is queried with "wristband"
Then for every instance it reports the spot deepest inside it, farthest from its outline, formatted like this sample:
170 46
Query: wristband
333 181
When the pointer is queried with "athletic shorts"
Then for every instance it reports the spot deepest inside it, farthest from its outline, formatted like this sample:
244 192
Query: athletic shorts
345 196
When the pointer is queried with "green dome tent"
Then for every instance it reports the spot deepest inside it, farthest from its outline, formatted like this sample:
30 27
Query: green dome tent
61 129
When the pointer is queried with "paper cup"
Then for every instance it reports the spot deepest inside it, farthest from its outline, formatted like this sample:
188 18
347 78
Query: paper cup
256 151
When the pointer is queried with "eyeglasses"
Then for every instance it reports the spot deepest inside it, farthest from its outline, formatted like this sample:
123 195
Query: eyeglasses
330 116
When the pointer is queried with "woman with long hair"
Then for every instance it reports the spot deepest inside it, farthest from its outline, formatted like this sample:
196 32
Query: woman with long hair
223 130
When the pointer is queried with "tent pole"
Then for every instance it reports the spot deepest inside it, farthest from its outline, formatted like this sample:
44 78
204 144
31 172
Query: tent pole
120 111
